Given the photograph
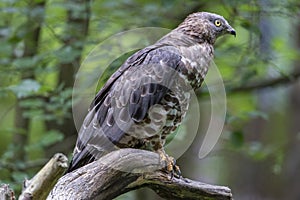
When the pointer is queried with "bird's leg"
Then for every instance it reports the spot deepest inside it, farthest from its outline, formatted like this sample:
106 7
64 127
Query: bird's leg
170 163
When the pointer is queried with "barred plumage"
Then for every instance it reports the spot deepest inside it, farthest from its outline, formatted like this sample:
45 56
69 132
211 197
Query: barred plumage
147 98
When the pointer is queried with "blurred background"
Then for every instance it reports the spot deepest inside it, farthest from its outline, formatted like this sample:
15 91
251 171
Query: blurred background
44 42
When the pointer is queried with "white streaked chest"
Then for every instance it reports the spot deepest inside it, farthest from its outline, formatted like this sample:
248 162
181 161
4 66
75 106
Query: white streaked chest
197 59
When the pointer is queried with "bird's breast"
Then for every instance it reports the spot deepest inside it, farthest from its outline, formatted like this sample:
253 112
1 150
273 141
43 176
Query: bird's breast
196 61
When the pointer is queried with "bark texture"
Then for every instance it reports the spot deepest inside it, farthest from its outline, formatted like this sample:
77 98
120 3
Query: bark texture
41 184
127 169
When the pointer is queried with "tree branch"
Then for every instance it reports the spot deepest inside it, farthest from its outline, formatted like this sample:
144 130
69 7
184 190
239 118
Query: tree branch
184 188
293 77
267 83
42 183
127 169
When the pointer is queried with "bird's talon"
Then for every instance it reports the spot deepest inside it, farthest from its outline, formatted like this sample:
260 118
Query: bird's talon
163 157
170 165
177 171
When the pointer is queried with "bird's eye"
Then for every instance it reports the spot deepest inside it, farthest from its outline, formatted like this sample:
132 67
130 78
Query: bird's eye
218 23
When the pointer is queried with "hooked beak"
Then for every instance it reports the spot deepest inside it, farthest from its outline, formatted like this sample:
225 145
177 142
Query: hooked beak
231 31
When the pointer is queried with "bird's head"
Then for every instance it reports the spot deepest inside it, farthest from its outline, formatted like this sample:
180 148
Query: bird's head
205 27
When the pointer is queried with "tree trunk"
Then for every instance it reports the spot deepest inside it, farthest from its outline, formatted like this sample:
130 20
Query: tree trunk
32 29
75 33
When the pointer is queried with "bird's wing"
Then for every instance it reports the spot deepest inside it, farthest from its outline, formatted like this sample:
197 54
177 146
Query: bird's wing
137 85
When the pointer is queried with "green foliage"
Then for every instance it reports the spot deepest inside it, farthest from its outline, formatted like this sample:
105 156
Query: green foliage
25 88
50 138
237 139
55 109
66 54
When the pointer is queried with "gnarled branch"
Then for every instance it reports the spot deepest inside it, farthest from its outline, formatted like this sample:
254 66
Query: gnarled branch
128 169
42 183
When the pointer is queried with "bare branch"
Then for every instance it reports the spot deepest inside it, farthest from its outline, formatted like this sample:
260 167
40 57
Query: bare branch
267 83
128 169
185 188
42 183
293 77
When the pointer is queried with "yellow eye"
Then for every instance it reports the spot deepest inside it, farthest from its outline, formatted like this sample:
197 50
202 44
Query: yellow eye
218 23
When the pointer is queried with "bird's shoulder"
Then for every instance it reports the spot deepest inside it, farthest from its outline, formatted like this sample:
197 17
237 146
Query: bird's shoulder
154 54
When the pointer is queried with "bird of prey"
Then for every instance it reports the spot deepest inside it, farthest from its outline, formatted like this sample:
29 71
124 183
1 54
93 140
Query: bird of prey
146 99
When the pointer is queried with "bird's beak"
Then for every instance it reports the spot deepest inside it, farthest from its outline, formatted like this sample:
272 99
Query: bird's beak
231 31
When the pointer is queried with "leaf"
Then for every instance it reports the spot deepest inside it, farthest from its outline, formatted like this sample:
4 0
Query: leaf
257 113
25 63
19 176
237 139
25 88
52 137
258 151
67 54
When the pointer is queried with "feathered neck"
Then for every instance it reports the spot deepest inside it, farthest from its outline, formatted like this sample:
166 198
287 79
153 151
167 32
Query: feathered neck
179 38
